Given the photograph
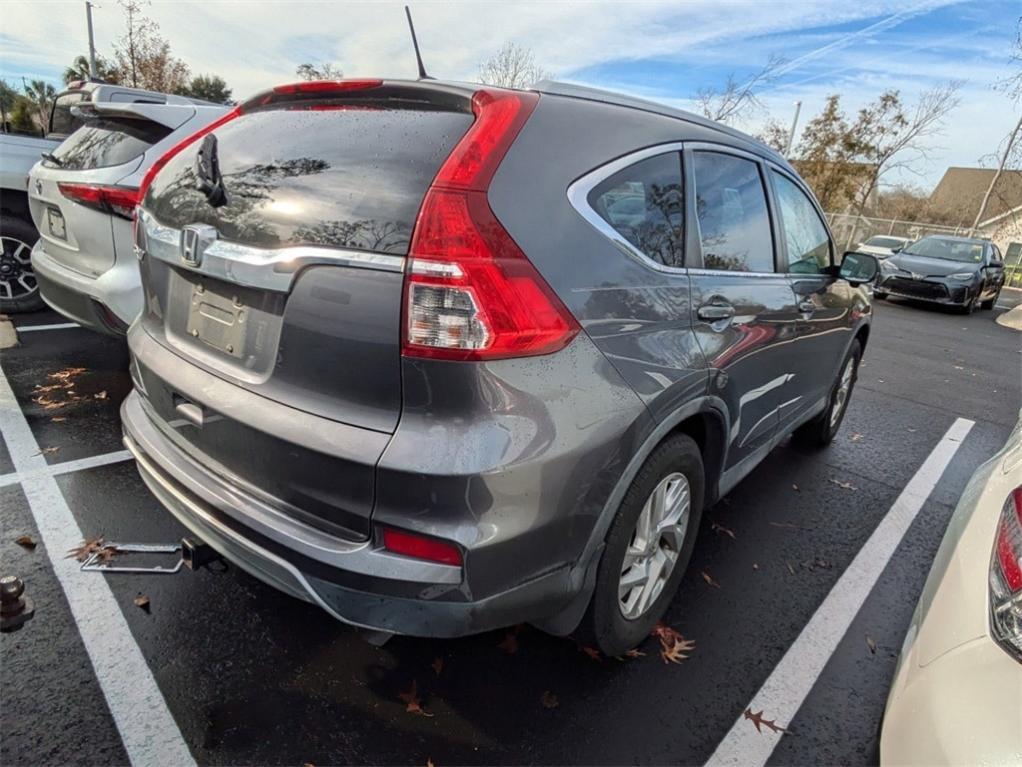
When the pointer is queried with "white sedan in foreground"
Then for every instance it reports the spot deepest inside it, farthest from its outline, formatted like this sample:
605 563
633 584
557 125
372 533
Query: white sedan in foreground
957 692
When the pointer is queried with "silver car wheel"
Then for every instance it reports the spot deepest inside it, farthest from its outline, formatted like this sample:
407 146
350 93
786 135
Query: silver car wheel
844 388
16 276
656 543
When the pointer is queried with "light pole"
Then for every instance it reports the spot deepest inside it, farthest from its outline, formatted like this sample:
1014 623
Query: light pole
794 124
92 43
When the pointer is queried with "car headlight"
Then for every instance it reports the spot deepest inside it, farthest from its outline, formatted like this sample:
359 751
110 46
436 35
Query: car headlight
887 268
962 275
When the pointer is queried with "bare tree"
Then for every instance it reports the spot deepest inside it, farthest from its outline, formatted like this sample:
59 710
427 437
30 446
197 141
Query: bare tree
774 135
143 55
512 67
1012 86
325 71
886 135
735 98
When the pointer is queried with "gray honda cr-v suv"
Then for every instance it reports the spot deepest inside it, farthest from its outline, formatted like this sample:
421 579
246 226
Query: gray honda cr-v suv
442 358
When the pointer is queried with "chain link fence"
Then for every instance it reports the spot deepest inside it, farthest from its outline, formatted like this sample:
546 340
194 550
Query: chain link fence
849 230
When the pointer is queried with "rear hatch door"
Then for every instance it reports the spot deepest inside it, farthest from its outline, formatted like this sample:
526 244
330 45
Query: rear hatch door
292 288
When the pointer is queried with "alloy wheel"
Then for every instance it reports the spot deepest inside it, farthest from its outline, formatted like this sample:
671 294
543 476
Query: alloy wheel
844 388
16 276
656 543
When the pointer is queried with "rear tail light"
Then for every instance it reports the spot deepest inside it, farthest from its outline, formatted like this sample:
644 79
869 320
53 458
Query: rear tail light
1006 577
470 292
157 166
421 547
118 200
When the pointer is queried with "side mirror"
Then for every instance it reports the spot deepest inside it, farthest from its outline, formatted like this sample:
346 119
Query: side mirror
858 268
896 250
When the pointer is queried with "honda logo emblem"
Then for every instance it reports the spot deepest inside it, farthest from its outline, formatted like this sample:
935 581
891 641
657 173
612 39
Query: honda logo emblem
195 239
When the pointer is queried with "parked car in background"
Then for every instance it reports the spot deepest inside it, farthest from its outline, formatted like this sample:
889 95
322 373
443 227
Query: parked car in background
957 691
19 291
883 245
409 350
954 271
82 197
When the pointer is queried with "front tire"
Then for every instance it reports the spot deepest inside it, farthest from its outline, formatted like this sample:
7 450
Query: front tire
648 548
19 290
820 431
989 304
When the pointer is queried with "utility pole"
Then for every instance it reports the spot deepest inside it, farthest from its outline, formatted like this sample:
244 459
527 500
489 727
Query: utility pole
92 42
993 181
794 124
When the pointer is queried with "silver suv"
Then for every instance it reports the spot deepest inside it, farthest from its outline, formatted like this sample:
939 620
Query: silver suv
438 360
82 197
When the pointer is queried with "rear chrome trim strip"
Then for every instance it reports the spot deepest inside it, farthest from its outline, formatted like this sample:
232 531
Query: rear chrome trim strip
266 268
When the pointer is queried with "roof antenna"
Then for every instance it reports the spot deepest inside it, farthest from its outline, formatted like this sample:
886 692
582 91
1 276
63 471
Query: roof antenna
415 43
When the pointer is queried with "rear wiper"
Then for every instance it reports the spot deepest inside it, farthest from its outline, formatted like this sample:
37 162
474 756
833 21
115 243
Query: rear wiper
53 158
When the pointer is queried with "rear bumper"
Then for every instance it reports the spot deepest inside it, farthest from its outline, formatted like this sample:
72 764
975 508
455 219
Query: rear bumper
108 303
356 582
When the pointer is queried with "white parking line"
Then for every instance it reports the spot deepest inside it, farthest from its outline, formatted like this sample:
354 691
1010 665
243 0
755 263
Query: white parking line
792 679
59 326
66 467
147 729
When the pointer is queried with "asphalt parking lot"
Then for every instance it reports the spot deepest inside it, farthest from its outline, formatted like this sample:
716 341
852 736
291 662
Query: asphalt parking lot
220 669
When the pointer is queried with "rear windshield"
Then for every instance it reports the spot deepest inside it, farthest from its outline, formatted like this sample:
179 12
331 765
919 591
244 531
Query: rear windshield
62 122
105 142
350 178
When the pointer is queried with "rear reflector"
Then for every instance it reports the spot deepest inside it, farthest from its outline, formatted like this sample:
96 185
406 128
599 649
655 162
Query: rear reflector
421 547
470 292
117 200
1006 577
157 166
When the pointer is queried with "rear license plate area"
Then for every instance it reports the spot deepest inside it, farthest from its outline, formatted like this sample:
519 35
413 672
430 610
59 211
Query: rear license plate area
217 320
55 223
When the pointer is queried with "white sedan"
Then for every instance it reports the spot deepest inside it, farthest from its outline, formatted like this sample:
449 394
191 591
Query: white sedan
957 692
882 245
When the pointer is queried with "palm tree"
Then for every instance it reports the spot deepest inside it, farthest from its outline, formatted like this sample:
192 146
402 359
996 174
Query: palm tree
41 93
105 70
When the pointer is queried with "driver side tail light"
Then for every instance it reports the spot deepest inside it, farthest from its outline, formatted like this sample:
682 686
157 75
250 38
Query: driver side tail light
1005 580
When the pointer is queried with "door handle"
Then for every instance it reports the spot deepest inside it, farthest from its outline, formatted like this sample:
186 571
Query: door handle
715 312
806 306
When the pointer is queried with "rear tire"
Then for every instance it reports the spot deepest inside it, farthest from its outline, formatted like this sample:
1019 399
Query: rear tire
621 615
820 431
17 237
879 296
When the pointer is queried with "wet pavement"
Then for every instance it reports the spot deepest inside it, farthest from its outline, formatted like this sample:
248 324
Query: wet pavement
251 676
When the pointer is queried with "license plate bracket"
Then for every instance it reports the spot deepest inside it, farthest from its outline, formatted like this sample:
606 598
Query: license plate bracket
217 320
56 224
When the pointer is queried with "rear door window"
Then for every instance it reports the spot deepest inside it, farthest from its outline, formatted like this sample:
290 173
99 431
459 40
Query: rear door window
644 203
346 178
731 207
808 244
105 142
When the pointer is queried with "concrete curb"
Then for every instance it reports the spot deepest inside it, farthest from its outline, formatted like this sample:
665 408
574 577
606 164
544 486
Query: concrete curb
1011 318
8 335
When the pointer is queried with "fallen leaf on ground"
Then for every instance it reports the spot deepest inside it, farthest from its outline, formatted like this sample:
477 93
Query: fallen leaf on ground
635 652
856 437
676 652
757 719
755 566
871 644
92 546
510 644
709 580
795 488
673 645
58 419
25 541
429 762
721 529
913 430
48 451
142 601
438 665
100 395
790 568
549 700
843 485
592 652
411 700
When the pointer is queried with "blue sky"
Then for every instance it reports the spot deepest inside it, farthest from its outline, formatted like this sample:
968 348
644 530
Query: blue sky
660 50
